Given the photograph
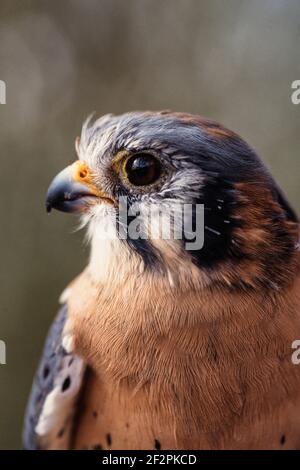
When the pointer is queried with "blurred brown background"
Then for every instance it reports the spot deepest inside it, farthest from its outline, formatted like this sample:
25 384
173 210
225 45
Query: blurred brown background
233 61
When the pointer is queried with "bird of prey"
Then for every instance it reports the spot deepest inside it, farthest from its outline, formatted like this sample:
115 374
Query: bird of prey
158 345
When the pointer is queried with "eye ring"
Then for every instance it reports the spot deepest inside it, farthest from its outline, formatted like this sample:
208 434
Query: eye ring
142 169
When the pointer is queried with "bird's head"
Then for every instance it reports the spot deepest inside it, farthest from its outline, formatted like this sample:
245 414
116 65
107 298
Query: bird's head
178 196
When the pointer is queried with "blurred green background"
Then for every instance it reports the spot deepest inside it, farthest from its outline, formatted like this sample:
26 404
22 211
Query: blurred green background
233 61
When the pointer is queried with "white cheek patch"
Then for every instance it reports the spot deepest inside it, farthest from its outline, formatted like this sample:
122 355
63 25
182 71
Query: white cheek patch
55 422
106 248
102 259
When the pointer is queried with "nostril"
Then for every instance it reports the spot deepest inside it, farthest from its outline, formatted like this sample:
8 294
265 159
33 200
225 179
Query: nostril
83 173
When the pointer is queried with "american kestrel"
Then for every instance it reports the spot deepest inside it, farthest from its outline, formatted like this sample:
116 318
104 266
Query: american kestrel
159 345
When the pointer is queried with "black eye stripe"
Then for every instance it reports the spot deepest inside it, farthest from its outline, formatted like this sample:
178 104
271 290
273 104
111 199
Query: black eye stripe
142 169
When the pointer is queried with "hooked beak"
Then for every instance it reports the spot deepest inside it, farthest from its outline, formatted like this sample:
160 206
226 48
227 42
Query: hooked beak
72 190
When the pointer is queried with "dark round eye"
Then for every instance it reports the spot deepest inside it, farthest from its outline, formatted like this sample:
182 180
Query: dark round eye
142 169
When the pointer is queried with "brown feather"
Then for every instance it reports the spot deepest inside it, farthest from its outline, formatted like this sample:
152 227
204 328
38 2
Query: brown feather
193 367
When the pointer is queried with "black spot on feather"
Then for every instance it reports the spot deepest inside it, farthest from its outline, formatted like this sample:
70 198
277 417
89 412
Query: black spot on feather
61 433
282 439
66 384
46 372
108 439
97 447
157 444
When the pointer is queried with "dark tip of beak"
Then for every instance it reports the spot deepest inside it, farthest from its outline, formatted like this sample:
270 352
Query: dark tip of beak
67 195
48 207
